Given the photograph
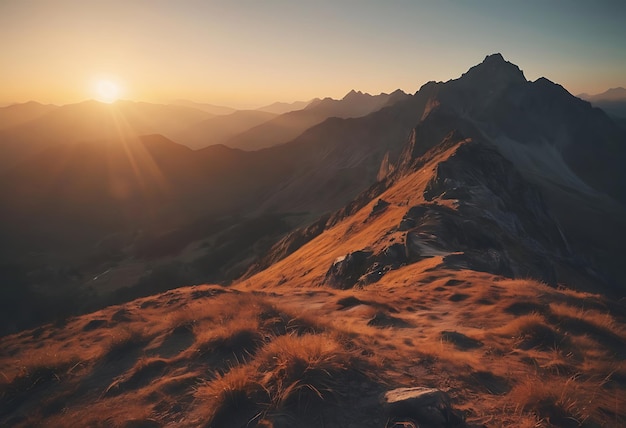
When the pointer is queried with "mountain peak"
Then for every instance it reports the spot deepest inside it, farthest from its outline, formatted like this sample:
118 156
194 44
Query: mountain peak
494 58
494 71
354 95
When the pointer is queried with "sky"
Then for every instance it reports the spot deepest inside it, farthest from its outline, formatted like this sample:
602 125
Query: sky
246 53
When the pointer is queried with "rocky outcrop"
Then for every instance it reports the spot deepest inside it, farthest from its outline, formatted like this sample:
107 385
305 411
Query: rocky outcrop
363 267
346 270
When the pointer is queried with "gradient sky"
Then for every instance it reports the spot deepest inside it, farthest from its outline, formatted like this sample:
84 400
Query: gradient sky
248 53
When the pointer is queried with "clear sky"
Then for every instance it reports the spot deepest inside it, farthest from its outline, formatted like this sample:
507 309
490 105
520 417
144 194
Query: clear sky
252 52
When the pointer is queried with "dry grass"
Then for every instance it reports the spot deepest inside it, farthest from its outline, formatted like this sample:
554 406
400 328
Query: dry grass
592 317
234 398
565 401
302 368
532 331
290 374
285 359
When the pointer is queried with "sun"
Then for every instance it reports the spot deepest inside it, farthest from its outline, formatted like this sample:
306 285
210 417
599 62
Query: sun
107 91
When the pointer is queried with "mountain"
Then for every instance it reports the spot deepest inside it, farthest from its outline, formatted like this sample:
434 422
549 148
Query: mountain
281 108
218 130
613 94
613 101
209 108
288 126
92 120
17 114
473 279
553 139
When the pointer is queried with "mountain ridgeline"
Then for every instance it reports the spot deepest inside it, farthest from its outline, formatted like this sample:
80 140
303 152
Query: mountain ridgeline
527 181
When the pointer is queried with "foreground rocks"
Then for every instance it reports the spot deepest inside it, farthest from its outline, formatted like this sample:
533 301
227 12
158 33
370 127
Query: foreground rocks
420 407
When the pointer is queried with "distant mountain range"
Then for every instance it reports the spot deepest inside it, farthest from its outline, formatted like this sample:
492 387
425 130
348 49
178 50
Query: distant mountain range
281 108
88 121
288 126
27 128
612 101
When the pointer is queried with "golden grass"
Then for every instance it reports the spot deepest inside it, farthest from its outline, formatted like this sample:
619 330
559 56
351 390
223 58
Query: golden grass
560 400
256 357
593 318
296 365
291 373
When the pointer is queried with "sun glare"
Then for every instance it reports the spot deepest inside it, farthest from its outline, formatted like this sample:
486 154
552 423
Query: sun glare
107 91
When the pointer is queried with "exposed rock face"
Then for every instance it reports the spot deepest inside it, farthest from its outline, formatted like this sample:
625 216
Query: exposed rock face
380 206
346 271
364 267
422 405
501 222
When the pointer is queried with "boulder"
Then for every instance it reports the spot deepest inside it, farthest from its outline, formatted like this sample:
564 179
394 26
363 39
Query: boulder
428 406
346 270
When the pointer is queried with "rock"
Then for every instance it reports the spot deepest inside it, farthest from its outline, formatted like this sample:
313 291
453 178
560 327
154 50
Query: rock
411 217
393 256
346 271
406 224
381 205
423 405
413 247
373 274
